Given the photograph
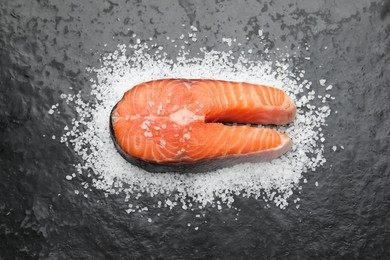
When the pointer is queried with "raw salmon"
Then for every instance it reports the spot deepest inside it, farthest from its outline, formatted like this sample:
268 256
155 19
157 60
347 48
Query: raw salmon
176 124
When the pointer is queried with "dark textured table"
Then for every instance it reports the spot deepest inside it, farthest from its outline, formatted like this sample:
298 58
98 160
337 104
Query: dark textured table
45 47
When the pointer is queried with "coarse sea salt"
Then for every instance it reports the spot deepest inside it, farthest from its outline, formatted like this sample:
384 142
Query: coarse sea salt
273 181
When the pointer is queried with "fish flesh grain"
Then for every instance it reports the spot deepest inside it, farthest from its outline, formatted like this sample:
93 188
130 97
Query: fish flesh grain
179 125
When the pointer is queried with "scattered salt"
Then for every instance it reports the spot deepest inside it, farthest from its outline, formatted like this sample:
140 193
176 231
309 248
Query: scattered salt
228 41
273 181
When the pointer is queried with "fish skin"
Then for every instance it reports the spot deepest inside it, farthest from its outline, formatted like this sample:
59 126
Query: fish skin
280 107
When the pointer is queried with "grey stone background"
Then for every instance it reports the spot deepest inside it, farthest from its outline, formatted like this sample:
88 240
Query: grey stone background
45 47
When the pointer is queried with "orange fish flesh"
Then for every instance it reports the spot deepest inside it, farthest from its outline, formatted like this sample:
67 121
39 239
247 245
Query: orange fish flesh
177 125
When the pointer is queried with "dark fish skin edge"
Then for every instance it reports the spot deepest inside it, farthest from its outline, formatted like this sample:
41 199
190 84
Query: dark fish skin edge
188 167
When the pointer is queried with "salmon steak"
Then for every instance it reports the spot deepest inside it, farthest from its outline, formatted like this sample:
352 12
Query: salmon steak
178 125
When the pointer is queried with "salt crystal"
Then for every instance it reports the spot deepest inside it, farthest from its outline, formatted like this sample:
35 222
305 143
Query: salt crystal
228 41
68 177
334 148
322 82
316 183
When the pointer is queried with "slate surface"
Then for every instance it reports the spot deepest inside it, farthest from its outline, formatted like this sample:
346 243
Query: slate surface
45 47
